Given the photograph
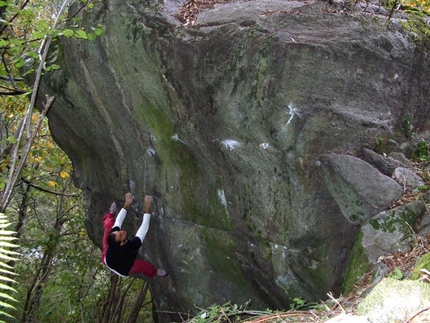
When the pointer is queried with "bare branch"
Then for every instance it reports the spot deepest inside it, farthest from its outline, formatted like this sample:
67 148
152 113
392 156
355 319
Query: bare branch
15 170
48 191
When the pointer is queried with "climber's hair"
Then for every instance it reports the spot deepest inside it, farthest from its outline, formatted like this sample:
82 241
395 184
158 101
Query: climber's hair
112 242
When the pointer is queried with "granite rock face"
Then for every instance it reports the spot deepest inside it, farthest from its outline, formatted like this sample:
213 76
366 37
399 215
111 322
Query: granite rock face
225 123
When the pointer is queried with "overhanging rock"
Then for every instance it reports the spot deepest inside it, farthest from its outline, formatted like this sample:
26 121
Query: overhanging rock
224 123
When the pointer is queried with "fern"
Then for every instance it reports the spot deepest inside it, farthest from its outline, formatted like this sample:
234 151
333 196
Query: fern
6 271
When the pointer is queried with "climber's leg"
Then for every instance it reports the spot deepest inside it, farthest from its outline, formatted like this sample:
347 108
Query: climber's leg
108 221
144 267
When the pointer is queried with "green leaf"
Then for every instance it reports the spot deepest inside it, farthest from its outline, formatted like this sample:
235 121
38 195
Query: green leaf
7 279
8 238
38 34
81 34
5 314
4 265
42 25
7 257
20 63
7 287
7 296
98 31
17 42
53 67
6 232
8 244
3 43
8 252
6 305
12 140
33 54
396 274
30 71
8 272
68 32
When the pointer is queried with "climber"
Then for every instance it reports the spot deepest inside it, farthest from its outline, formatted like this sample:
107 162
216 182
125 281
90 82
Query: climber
120 254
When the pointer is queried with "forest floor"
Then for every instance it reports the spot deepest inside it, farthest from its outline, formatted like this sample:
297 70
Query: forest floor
188 13
341 309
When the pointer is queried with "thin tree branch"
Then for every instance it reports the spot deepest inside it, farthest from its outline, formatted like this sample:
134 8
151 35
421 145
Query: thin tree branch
15 92
6 78
15 171
119 311
44 49
14 17
48 191
107 308
422 311
134 314
392 9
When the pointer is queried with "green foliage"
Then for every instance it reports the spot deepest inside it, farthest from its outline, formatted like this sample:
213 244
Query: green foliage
229 313
405 125
379 141
396 274
225 313
421 5
35 175
418 28
298 303
6 270
423 263
25 28
422 151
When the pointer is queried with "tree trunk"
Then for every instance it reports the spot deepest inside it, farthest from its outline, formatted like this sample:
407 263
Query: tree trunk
107 308
134 314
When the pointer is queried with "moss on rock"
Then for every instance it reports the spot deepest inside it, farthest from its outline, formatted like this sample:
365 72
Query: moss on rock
357 265
394 301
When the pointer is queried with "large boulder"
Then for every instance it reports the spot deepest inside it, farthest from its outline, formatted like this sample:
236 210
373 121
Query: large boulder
359 189
397 301
392 231
225 124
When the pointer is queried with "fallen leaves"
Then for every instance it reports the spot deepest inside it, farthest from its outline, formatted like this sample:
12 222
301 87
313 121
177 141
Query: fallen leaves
188 13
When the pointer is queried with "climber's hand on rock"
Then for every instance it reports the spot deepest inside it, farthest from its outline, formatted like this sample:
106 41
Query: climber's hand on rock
148 204
128 200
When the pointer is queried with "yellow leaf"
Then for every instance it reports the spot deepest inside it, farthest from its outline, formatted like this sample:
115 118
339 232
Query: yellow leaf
64 174
52 183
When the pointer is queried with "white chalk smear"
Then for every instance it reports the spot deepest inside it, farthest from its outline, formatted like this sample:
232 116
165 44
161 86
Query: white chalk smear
221 196
292 111
176 138
264 146
151 152
230 144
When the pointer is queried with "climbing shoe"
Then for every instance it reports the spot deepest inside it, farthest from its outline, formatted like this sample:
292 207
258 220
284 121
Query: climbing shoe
162 273
112 208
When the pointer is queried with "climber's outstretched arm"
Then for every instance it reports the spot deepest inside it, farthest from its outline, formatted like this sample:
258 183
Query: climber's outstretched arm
143 229
141 233
121 215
